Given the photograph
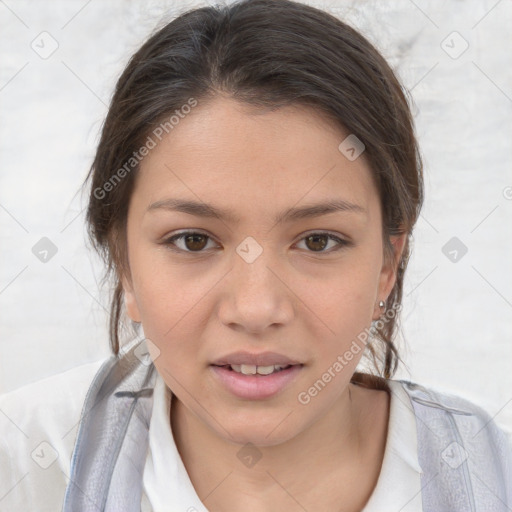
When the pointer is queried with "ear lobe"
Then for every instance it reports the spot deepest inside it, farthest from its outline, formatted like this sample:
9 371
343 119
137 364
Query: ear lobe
130 300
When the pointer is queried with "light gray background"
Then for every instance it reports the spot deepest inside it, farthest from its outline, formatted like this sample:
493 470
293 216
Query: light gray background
457 319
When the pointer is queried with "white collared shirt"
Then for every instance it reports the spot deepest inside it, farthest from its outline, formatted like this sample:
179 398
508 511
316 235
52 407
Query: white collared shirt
166 480
38 426
399 486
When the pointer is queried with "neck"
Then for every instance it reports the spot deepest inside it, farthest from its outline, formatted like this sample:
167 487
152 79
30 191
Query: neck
332 447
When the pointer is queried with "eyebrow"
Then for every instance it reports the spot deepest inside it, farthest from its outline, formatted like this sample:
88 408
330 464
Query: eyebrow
201 209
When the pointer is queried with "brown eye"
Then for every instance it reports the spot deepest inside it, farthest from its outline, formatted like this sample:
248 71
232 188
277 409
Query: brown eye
195 242
316 242
189 242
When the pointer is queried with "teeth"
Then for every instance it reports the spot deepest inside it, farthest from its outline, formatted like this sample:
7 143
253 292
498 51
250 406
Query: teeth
250 369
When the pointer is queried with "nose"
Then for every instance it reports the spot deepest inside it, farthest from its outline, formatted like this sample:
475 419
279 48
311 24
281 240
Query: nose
256 295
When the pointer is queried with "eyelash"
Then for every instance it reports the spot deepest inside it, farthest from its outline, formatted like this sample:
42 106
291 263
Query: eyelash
169 242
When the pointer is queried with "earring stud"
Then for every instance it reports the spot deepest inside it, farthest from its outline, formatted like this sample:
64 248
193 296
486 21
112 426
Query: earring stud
381 304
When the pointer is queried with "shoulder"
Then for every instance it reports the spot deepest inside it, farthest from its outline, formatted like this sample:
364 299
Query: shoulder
49 403
39 422
460 444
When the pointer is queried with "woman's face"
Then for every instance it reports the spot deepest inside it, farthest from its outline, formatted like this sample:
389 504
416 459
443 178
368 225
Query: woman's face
253 279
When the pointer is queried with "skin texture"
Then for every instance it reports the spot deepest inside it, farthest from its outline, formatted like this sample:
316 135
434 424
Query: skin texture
293 299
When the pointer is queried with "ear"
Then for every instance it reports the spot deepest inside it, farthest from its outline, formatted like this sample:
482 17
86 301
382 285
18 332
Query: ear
388 272
129 300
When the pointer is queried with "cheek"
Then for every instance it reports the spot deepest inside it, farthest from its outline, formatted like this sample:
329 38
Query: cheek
344 292
171 322
338 307
165 290
173 304
169 303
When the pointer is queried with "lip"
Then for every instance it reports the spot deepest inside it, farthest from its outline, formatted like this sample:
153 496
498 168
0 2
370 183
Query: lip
255 387
259 359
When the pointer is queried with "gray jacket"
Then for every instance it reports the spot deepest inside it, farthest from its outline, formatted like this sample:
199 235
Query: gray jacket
465 458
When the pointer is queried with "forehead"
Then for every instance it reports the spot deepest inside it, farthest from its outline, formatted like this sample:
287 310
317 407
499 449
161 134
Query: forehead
230 154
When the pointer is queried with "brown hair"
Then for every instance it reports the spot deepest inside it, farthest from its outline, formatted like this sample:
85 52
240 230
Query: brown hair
266 53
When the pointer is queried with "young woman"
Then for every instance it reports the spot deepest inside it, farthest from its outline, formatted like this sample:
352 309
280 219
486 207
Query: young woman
253 193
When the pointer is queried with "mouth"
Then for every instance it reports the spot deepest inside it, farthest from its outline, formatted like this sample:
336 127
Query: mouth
250 369
255 382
